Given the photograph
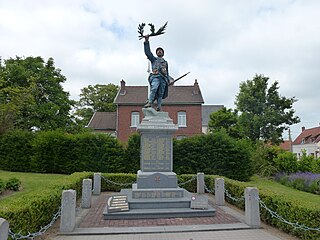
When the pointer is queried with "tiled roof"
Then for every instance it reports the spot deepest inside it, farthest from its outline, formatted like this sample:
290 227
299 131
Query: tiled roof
311 135
286 145
103 121
207 110
138 95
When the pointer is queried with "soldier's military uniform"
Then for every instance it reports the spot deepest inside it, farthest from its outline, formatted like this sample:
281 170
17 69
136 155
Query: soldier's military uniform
159 77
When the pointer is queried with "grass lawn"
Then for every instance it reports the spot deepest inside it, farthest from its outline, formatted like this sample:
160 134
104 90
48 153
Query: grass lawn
30 182
291 194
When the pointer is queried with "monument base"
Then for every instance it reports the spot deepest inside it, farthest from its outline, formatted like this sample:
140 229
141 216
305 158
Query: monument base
156 193
147 208
146 180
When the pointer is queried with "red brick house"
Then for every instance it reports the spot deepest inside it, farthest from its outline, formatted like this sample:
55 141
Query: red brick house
184 105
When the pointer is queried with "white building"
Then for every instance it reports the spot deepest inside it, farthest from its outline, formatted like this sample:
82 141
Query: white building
309 141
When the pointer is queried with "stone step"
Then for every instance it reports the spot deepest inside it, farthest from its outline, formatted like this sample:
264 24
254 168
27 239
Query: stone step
159 213
159 203
152 203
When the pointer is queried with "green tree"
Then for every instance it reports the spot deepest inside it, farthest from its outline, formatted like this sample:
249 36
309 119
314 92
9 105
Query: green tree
31 95
264 114
12 102
97 98
225 119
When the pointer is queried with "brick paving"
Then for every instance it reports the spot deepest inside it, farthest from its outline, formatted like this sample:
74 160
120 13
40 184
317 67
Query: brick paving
94 218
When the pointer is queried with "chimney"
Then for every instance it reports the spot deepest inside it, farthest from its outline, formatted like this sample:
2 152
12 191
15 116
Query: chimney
196 88
303 128
122 87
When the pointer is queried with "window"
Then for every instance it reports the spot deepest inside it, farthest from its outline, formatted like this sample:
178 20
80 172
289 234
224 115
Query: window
135 117
182 119
180 137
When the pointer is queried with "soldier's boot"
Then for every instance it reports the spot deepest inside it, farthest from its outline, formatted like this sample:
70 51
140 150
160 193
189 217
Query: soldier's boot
147 105
158 109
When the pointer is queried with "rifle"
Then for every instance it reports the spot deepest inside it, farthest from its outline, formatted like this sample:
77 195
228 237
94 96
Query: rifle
171 83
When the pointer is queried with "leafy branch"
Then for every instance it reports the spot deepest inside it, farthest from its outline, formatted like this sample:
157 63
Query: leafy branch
160 31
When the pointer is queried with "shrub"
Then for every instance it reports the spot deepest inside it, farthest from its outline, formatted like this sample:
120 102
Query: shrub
307 181
52 152
307 163
31 211
16 150
131 159
263 159
213 154
292 211
97 153
286 162
57 152
2 186
13 184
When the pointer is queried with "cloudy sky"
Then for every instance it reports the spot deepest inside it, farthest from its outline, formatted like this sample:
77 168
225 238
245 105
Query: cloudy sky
221 42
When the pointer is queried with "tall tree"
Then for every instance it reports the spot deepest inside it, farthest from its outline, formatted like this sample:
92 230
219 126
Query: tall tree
225 119
264 114
31 94
97 98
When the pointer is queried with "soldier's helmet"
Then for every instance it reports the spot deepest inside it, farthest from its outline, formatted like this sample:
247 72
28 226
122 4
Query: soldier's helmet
160 48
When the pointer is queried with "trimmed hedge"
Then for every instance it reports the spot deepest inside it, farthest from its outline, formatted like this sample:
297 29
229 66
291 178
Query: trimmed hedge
30 212
277 202
16 151
58 152
216 153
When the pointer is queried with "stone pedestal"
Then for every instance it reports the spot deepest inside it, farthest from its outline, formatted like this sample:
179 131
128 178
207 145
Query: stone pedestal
252 211
219 191
156 193
68 211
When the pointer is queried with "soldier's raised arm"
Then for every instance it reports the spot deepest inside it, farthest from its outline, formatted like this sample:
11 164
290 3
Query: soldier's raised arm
147 50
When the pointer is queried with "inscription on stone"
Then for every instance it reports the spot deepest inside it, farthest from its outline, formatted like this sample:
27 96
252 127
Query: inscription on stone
199 202
157 194
117 203
156 153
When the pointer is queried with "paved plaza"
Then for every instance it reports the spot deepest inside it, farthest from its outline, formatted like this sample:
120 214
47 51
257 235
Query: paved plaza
227 224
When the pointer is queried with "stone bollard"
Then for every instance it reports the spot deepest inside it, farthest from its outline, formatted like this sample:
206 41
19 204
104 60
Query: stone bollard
200 183
97 184
68 211
4 229
86 193
219 191
252 211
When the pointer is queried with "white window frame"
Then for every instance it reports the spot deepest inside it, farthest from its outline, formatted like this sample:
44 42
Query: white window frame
182 119
135 119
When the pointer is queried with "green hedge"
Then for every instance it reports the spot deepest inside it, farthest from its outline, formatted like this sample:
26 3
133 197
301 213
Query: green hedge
16 151
59 152
13 184
292 211
30 212
216 153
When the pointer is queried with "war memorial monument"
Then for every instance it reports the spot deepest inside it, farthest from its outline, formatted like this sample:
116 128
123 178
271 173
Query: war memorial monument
156 193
